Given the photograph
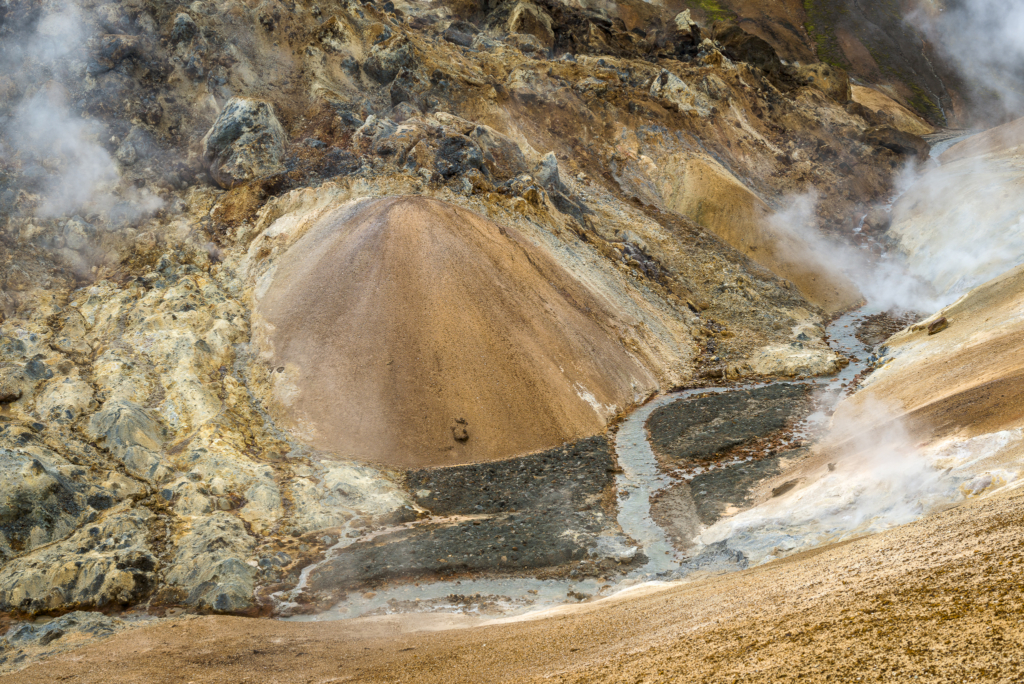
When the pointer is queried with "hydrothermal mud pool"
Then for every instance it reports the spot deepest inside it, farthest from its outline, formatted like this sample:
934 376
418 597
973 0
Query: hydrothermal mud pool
680 492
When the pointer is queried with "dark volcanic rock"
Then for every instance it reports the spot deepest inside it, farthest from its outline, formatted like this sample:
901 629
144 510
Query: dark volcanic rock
535 539
458 154
41 505
501 154
460 33
715 491
741 46
692 429
536 511
184 29
246 142
388 58
566 477
898 141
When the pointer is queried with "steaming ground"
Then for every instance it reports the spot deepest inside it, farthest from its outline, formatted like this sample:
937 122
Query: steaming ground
925 600
929 600
287 291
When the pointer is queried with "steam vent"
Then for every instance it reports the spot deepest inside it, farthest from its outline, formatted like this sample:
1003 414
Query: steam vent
512 341
413 332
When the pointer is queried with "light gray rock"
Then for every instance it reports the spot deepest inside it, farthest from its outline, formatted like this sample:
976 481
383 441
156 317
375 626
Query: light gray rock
547 172
27 642
210 570
102 565
331 496
126 154
133 435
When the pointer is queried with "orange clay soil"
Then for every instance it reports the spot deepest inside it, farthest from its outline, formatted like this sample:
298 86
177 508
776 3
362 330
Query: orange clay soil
939 600
396 319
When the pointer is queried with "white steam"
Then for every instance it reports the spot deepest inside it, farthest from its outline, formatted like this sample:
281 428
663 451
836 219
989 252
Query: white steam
80 171
984 40
962 223
878 479
56 150
885 283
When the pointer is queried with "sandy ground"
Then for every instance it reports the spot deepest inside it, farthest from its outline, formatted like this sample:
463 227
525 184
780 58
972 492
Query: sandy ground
481 344
939 600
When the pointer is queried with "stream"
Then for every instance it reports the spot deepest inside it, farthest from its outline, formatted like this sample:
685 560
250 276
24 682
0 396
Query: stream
859 498
639 481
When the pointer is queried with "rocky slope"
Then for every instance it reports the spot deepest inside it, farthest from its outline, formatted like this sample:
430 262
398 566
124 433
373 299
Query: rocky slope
245 245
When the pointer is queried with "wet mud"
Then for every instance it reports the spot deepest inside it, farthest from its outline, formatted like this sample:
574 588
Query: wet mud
877 328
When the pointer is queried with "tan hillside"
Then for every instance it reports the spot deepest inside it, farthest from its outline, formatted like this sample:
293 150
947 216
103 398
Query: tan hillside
394 319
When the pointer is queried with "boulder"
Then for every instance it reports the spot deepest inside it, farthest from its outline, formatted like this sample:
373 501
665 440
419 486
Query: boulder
133 436
740 46
900 142
531 20
501 154
877 220
686 99
460 33
389 57
184 29
246 142
547 172
78 233
457 154
685 24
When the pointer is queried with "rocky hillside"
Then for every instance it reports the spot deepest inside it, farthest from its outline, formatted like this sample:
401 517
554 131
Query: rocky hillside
259 258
